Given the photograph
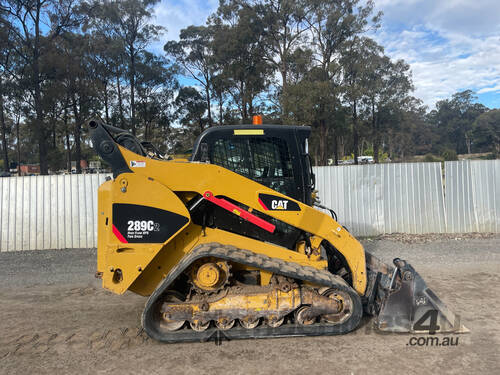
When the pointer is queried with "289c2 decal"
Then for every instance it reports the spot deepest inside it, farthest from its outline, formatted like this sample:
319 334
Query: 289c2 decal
143 224
136 225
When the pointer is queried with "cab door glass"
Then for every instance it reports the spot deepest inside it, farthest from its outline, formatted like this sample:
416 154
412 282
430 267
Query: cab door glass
265 160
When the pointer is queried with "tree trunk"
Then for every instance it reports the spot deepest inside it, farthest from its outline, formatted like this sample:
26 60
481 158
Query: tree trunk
18 145
209 104
244 113
355 135
221 110
120 103
68 146
106 104
200 124
39 125
376 150
390 143
40 133
323 142
250 108
284 73
376 135
335 149
284 87
4 132
341 147
132 89
53 130
147 122
77 134
468 142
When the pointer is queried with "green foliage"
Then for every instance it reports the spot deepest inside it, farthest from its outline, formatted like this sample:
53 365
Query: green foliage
490 156
191 108
429 158
486 131
384 157
454 122
296 62
449 155
368 151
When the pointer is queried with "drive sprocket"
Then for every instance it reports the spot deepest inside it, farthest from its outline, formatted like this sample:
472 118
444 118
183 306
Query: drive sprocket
209 275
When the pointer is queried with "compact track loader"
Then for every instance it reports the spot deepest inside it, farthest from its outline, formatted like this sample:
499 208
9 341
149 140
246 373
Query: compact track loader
229 243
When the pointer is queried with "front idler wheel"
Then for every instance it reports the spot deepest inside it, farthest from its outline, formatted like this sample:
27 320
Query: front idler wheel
346 306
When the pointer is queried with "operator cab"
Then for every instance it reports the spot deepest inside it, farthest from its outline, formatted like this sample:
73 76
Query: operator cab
275 156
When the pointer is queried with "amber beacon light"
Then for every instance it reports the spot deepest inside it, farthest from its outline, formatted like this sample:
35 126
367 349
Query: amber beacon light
257 120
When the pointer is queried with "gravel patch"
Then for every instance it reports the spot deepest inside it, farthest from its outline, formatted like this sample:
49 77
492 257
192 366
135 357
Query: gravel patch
55 318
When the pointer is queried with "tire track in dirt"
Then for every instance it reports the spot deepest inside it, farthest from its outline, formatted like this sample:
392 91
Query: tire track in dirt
115 339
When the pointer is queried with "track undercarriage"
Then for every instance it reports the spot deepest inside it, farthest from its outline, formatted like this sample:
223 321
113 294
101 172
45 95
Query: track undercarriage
301 301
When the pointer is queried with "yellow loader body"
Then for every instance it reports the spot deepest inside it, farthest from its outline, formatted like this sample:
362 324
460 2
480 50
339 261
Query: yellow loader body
232 236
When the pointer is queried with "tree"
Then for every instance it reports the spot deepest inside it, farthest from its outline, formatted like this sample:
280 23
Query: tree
128 21
284 31
453 119
81 89
195 56
108 61
155 84
244 69
318 73
387 88
191 108
314 101
26 21
486 132
5 66
355 60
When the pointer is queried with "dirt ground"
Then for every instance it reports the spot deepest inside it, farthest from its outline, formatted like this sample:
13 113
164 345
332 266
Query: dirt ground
55 318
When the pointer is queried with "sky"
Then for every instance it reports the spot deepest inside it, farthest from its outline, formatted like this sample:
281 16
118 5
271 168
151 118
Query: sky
451 45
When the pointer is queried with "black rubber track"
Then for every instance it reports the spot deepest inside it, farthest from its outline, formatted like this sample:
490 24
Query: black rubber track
151 320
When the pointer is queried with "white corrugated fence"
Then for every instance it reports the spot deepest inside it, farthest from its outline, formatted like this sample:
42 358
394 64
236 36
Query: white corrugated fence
473 196
49 212
385 198
58 212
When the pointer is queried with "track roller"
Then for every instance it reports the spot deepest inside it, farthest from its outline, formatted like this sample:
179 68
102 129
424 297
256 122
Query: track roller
224 323
301 316
274 321
198 326
249 322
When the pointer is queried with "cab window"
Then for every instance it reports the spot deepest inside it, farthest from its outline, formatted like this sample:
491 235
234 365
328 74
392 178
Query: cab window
265 160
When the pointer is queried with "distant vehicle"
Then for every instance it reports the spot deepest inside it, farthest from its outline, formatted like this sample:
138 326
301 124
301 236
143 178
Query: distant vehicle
361 160
365 160
5 174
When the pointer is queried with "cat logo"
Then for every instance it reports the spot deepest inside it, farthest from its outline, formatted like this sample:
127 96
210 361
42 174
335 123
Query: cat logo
271 202
279 205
